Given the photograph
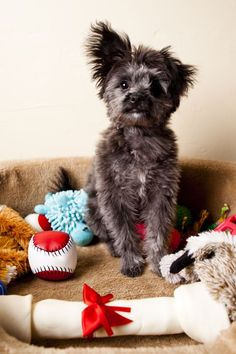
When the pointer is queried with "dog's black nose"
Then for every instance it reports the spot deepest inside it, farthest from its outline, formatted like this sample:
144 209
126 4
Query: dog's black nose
133 98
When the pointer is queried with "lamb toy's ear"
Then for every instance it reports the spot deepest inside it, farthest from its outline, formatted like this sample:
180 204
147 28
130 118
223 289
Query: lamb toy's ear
180 263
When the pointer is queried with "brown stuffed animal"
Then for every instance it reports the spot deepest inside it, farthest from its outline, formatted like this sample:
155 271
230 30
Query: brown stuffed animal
15 235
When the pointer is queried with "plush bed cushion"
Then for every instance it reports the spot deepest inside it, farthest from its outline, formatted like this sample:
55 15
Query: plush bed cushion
204 184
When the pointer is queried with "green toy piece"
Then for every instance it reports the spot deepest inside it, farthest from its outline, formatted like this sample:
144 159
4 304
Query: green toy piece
225 210
183 218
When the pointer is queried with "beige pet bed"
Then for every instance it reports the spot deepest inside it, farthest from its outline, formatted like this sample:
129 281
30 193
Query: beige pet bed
204 184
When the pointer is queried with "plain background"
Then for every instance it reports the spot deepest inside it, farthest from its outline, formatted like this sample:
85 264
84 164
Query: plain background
48 104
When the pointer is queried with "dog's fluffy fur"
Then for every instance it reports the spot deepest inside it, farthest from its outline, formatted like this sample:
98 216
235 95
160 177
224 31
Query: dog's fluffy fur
135 174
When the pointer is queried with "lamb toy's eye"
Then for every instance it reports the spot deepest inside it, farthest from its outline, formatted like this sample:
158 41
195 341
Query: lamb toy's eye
209 255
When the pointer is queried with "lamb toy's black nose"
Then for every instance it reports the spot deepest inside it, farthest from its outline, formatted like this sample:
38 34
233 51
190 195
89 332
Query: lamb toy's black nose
180 263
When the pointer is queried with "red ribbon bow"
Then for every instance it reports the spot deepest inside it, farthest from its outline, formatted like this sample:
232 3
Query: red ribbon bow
97 314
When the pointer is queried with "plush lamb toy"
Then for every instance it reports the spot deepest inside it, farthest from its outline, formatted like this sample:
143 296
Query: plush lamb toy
211 258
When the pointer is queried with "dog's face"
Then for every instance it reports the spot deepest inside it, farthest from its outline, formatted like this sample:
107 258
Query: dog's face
141 86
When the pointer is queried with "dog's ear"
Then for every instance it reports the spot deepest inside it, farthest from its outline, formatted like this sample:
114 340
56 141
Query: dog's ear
182 76
105 48
180 263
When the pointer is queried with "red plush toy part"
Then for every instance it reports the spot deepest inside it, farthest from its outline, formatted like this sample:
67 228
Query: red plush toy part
38 222
228 224
175 240
175 236
44 223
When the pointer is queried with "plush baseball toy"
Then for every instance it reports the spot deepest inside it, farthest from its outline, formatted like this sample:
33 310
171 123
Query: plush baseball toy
52 255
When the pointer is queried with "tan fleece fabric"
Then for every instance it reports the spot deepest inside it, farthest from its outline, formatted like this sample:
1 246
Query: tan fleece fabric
24 184
204 184
225 344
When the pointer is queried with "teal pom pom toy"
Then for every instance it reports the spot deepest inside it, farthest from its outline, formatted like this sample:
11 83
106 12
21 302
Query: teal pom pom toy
66 211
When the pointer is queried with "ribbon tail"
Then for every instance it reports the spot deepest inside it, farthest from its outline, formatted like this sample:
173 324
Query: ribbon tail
105 321
115 319
120 308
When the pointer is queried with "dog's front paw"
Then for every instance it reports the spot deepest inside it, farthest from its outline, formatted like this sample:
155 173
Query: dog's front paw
112 250
132 272
132 269
154 261
155 267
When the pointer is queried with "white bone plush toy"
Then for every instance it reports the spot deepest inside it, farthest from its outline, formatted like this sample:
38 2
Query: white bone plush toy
201 309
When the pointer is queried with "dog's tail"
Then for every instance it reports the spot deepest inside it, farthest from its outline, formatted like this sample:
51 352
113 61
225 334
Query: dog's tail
61 181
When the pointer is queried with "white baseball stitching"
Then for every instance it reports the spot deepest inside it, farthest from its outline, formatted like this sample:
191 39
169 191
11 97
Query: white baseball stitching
52 268
67 247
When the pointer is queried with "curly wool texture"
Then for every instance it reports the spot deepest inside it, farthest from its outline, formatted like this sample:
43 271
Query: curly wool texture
215 265
64 210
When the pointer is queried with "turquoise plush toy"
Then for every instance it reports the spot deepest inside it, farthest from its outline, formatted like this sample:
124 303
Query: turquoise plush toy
65 211
3 289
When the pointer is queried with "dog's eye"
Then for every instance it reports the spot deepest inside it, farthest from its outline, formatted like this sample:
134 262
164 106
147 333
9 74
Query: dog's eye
124 85
156 88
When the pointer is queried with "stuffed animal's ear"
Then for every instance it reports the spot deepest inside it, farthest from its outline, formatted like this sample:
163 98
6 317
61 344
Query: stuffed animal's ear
180 263
105 48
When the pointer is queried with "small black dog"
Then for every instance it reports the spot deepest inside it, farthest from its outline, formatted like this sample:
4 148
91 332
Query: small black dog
135 173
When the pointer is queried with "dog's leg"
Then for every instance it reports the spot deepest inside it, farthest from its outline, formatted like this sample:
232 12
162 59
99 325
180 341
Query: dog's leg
120 221
160 216
95 222
93 216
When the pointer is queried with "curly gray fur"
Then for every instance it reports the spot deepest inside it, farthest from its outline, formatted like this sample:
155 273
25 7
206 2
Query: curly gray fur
135 175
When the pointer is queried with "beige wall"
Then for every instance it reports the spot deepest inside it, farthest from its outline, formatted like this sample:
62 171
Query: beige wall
48 105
